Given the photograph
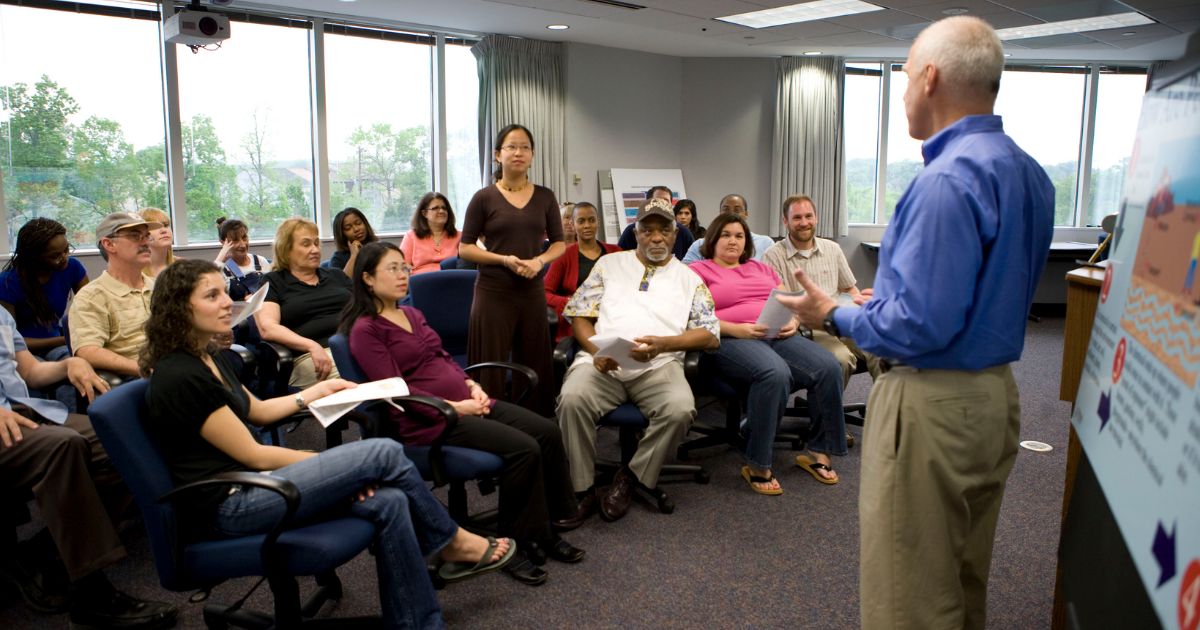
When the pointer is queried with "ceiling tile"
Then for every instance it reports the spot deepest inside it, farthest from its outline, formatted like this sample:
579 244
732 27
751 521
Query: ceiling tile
1056 41
1116 35
973 7
1175 14
570 7
1152 5
858 38
790 31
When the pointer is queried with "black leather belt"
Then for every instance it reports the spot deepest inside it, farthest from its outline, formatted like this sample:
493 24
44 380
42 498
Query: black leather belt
886 365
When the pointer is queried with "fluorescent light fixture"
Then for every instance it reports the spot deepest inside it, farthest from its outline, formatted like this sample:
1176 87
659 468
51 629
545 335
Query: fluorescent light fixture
1082 25
803 12
558 27
812 53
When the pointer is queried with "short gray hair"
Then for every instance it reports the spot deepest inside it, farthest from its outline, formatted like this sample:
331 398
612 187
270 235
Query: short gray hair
966 52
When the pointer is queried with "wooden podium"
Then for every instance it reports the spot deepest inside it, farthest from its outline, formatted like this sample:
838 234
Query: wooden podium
1083 294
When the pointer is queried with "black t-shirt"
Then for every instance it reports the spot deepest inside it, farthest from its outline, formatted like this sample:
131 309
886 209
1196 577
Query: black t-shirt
183 393
310 311
586 264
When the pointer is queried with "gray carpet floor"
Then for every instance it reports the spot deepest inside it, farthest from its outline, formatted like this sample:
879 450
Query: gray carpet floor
727 557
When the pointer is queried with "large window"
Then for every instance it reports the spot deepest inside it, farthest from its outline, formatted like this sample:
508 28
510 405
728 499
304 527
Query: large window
462 128
1049 127
247 130
75 143
1118 106
379 127
861 122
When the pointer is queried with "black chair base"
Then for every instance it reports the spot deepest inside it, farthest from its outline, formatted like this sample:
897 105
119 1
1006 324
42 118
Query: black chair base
218 616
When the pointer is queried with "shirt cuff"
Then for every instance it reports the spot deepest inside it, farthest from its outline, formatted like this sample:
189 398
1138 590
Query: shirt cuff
844 317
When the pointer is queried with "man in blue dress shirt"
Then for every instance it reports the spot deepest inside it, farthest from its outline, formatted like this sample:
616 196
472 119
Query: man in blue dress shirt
957 271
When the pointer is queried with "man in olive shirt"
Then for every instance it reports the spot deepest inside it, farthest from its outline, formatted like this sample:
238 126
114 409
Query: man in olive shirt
107 316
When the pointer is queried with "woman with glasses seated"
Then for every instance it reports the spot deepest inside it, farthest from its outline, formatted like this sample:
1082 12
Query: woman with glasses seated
37 283
770 367
161 240
433 237
389 340
197 411
303 301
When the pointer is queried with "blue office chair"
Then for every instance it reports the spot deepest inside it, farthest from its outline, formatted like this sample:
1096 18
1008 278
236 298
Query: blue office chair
443 465
445 298
629 422
185 565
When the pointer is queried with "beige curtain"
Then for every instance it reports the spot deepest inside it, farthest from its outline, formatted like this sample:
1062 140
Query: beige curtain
808 155
522 81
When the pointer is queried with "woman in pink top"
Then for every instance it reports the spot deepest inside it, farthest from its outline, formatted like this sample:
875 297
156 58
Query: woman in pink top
433 237
769 368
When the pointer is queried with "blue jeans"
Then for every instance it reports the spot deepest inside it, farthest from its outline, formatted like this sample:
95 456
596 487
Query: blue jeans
773 369
411 524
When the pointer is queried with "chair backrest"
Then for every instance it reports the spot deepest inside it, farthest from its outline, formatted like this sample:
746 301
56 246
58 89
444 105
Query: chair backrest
339 347
325 263
117 417
449 263
445 298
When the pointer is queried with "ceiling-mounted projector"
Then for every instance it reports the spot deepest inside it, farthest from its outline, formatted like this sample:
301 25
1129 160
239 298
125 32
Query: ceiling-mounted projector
196 28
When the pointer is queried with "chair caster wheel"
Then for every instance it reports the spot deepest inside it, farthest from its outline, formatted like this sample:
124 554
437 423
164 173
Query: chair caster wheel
702 477
666 505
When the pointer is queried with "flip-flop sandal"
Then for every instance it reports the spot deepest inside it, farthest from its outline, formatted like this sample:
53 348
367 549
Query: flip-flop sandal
457 571
753 479
814 469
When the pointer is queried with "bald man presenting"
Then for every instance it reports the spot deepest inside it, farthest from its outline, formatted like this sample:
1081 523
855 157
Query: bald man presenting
957 270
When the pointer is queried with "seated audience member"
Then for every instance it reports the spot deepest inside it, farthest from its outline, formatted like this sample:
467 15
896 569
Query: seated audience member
107 317
388 341
824 262
683 237
733 204
652 299
573 267
197 409
56 456
303 302
36 284
161 240
433 237
685 215
568 221
351 231
771 367
243 271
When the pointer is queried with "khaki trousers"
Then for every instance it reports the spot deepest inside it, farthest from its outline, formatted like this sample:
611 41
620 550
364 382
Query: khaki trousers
662 394
938 447
304 374
848 355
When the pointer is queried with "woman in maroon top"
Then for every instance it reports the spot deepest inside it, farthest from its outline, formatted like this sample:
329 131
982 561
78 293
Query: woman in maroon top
389 340
568 272
508 316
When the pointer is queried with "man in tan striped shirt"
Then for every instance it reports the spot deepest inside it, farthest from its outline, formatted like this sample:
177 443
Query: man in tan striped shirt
824 262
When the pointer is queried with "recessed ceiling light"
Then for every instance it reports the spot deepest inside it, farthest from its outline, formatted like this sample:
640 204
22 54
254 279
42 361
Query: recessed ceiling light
812 53
558 27
955 11
1007 54
803 12
1083 25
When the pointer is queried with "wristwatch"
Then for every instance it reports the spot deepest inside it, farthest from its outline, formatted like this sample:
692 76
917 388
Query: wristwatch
831 326
300 403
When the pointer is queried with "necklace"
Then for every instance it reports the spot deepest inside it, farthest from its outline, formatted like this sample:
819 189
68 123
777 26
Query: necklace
513 190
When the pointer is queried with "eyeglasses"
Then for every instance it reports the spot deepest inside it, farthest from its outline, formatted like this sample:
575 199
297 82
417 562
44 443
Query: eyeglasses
437 210
513 148
397 270
136 237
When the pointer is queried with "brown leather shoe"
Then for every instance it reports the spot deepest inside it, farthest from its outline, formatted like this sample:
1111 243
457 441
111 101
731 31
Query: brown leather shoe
587 507
615 502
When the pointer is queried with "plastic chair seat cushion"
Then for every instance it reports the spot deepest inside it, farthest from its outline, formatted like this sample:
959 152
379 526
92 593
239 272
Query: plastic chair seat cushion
309 550
459 462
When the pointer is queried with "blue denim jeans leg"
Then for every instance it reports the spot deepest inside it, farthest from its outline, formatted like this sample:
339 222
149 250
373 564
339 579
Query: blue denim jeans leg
411 524
753 364
815 370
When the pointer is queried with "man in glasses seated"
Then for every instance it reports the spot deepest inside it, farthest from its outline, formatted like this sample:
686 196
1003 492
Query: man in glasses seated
106 318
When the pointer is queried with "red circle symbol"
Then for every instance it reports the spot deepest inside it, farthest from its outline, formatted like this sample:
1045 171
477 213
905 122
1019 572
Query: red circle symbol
1119 361
1108 278
1189 597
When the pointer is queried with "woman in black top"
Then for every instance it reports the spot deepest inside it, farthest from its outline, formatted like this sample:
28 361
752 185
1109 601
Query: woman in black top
685 214
351 231
197 410
303 302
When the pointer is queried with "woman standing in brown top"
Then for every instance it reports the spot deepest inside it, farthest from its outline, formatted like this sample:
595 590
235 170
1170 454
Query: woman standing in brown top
508 317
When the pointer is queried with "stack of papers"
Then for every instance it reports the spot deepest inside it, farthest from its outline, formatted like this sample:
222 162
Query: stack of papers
328 409
617 349
243 310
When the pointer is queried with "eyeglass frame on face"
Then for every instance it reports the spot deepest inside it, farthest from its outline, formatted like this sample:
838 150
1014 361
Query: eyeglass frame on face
395 269
514 148
135 237
441 210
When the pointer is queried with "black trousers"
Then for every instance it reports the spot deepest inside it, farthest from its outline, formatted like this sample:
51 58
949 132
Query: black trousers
535 483
512 327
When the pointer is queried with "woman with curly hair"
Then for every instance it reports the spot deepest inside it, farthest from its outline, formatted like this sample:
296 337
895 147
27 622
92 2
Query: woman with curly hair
197 410
36 284
433 237
351 231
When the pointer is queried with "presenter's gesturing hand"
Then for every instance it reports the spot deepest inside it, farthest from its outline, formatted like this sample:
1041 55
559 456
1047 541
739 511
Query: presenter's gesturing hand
813 306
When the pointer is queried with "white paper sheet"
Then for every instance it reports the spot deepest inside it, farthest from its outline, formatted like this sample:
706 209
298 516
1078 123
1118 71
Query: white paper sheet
617 348
328 409
774 314
243 310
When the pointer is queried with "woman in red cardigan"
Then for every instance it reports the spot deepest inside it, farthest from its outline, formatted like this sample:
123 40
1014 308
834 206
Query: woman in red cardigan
574 266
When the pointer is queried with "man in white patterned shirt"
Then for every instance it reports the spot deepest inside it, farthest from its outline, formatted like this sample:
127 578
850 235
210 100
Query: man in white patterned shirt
824 262
650 298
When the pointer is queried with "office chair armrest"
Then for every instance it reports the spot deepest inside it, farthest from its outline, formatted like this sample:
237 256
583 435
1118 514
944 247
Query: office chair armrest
805 331
531 377
436 461
112 378
691 365
245 353
564 352
274 368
